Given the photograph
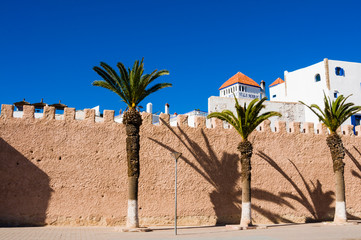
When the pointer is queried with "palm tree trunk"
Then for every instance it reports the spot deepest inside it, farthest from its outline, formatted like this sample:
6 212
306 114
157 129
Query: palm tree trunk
132 121
334 142
245 148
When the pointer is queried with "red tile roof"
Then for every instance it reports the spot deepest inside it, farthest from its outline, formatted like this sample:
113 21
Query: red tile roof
239 78
277 81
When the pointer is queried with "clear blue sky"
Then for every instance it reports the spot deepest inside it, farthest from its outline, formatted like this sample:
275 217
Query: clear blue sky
48 48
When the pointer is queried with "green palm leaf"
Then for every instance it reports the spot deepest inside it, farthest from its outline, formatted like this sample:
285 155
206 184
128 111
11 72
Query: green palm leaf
335 112
132 85
248 118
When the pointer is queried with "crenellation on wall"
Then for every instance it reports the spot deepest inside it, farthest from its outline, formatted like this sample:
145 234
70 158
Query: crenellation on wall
295 127
280 127
49 113
89 115
29 111
216 123
200 122
7 111
309 128
182 120
321 129
265 126
164 119
108 116
69 114
347 130
147 118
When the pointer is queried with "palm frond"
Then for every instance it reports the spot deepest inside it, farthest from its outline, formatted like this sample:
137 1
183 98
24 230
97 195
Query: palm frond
131 85
335 112
248 118
153 89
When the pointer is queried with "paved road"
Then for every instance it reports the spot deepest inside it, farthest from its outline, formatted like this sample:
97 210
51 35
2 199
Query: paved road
314 231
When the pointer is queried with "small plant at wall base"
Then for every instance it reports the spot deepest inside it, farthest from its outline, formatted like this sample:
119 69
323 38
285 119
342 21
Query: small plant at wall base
247 120
333 115
132 87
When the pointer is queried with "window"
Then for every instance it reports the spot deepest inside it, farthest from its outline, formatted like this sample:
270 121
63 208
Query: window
335 94
339 71
317 77
355 121
273 96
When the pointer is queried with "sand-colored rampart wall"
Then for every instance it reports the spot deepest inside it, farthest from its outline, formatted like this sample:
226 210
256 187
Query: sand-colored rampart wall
74 172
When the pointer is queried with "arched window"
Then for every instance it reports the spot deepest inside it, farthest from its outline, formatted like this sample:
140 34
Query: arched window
317 77
335 94
339 71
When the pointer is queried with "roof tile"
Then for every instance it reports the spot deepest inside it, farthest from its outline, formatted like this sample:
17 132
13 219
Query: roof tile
239 78
277 81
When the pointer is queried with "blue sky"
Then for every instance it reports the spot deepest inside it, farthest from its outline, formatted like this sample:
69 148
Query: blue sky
48 48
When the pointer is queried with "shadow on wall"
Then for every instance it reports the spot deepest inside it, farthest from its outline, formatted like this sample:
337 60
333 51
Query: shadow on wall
315 200
223 174
354 160
24 189
355 174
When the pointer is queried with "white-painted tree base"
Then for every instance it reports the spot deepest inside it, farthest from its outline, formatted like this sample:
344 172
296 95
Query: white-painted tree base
246 214
132 218
340 212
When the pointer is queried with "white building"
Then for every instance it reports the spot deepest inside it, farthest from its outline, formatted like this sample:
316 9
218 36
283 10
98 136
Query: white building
291 112
242 87
245 89
310 83
191 118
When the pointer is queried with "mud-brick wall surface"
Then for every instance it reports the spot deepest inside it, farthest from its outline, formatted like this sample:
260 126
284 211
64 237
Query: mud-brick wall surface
74 172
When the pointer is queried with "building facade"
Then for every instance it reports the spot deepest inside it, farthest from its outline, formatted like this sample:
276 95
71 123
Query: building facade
242 86
309 85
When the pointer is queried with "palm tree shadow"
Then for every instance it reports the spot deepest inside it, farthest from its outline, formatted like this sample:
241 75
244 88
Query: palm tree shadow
223 174
354 160
355 174
319 205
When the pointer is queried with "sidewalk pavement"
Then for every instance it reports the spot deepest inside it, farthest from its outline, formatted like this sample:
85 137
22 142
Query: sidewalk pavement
312 231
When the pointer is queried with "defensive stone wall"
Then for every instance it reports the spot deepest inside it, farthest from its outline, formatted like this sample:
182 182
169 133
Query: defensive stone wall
74 172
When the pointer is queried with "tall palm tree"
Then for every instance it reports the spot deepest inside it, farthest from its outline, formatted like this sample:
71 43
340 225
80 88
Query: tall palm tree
132 88
248 118
335 113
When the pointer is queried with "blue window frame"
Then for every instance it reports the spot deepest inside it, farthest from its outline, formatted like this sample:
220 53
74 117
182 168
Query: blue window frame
339 71
355 121
317 77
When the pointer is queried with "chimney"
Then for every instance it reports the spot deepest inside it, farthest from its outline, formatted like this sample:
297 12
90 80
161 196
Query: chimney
263 89
149 108
166 111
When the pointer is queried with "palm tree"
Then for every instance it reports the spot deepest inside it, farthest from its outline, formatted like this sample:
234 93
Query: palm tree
132 88
248 118
333 115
